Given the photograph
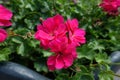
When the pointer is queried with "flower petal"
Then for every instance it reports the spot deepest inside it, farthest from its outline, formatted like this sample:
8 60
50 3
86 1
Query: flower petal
59 62
5 23
42 35
49 25
58 19
39 27
51 62
5 14
61 30
3 35
68 60
72 24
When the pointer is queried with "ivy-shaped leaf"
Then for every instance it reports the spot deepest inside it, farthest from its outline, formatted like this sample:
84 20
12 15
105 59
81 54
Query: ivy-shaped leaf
102 57
106 75
40 67
20 49
4 54
85 52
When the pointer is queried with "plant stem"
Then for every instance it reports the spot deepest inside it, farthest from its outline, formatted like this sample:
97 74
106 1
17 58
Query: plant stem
116 75
112 73
72 69
114 63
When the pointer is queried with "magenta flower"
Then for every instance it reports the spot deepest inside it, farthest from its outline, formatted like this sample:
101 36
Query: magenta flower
3 35
60 38
64 54
111 6
50 29
5 16
76 35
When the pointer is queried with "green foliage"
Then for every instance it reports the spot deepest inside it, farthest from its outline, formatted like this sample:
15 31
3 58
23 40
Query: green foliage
83 74
86 52
106 75
40 66
102 33
102 57
4 54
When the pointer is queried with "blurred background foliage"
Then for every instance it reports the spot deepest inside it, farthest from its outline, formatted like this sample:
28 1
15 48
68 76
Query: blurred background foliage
102 33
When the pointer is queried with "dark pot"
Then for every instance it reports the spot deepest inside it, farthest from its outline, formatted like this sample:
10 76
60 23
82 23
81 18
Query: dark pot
115 58
14 71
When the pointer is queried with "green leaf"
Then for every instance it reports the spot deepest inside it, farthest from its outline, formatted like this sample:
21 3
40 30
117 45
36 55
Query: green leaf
102 57
86 77
4 54
62 76
16 40
85 52
20 49
33 43
95 45
83 69
46 53
83 76
40 67
106 75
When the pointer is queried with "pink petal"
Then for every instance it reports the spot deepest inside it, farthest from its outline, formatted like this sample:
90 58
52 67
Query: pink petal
49 25
80 39
110 6
71 50
51 67
54 46
51 62
72 24
44 44
79 32
39 27
68 60
5 14
58 19
58 45
5 23
79 36
74 54
59 62
61 30
42 35
3 35
75 23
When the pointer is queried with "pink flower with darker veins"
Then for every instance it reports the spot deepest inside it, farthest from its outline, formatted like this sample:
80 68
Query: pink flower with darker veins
5 16
76 35
64 54
111 6
3 35
61 38
50 29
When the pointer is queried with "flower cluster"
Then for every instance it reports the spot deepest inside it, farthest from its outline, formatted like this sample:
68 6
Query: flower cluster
5 16
111 6
61 38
